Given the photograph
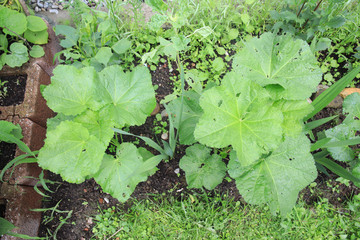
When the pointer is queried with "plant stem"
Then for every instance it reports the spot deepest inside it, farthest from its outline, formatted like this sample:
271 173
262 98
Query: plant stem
302 6
24 7
317 6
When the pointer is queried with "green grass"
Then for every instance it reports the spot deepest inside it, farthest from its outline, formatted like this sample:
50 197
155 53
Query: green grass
203 217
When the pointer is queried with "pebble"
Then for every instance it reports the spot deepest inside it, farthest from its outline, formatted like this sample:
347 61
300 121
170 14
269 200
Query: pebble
41 5
164 113
51 5
165 136
156 110
348 91
53 11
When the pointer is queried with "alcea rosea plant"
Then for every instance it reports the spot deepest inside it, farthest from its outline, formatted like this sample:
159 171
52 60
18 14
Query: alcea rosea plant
89 105
258 110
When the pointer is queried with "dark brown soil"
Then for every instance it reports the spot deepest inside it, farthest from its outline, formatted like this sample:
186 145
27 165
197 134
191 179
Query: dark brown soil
7 153
12 90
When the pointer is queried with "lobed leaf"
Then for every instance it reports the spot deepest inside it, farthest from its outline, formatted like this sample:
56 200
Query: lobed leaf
129 96
239 113
70 33
72 91
279 61
98 125
294 112
201 168
72 152
119 176
278 177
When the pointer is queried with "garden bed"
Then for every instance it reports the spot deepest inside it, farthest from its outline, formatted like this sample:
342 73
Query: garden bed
93 91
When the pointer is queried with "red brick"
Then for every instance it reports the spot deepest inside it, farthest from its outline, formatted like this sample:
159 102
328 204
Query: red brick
19 201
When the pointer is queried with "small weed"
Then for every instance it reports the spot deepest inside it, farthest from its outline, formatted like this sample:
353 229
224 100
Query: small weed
159 125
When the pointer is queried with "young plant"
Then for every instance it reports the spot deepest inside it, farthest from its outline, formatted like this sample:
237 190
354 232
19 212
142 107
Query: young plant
89 104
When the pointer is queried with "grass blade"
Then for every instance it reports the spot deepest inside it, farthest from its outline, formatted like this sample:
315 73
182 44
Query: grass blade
337 169
319 144
147 140
317 123
348 142
329 94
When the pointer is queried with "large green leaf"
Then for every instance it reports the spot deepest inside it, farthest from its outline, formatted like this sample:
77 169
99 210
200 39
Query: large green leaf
103 55
294 112
72 152
15 24
278 177
190 116
19 55
97 124
280 61
70 33
119 176
73 90
201 168
35 24
239 113
122 46
37 37
129 96
5 14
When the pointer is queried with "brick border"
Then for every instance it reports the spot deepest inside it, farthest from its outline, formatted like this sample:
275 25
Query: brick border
31 115
20 199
